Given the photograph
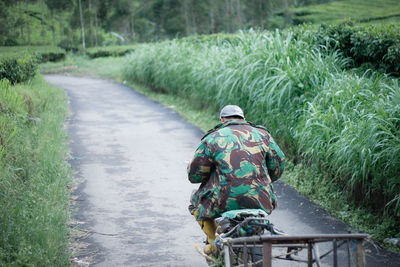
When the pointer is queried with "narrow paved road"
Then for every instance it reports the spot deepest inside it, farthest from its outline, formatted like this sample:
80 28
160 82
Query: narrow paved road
130 154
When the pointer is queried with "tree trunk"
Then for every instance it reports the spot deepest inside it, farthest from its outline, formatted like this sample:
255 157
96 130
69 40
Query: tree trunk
269 14
228 6
261 14
161 21
42 32
53 30
90 23
194 24
239 14
96 26
212 17
83 28
287 14
133 24
28 25
21 26
186 14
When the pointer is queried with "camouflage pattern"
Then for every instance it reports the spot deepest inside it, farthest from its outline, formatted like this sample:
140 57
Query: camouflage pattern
235 164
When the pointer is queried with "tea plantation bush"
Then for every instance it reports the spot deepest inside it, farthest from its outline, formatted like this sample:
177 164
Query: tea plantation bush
212 39
109 51
44 53
33 175
19 63
374 46
346 124
18 67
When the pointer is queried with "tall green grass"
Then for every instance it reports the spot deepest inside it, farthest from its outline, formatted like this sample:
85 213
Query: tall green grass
346 124
33 175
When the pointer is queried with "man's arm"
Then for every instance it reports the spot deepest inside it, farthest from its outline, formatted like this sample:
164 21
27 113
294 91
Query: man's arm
275 160
199 169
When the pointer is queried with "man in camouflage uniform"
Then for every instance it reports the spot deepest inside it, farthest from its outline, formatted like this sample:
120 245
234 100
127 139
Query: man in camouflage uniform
235 164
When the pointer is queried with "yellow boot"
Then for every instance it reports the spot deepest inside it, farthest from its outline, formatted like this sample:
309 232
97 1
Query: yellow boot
209 227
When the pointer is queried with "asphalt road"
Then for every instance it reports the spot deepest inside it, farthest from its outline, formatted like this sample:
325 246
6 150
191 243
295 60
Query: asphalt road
129 155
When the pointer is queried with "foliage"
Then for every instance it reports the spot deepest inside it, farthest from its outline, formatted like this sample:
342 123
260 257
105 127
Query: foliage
18 67
322 190
44 53
19 63
212 39
154 20
77 65
109 51
33 175
359 11
342 122
309 181
374 46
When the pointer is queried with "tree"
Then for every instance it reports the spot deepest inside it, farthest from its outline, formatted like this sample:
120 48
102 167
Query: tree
90 23
27 21
96 25
82 27
42 32
57 6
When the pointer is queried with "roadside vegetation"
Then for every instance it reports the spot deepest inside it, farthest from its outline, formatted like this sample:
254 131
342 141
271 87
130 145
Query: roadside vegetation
110 51
330 94
338 124
19 63
342 125
34 175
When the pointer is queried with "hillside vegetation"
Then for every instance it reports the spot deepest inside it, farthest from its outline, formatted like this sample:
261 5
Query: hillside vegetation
345 124
33 175
19 63
116 22
360 11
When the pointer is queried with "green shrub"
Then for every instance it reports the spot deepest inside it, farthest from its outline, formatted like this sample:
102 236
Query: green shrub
44 53
376 46
109 51
344 123
212 39
18 67
33 175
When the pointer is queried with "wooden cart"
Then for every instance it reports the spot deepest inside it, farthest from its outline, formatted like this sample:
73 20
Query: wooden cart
350 243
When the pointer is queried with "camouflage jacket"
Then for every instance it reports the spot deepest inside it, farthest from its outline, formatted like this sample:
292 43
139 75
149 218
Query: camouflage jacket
235 164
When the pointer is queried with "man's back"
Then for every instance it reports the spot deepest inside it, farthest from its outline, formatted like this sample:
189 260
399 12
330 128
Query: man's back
235 164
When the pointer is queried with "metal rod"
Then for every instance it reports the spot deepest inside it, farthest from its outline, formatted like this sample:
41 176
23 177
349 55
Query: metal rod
304 239
316 253
348 253
334 253
245 256
267 254
309 254
227 256
360 254
329 251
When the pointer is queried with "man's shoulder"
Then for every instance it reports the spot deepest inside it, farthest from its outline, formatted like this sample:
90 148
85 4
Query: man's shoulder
226 128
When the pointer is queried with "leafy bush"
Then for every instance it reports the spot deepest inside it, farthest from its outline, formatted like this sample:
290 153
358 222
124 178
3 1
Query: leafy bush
109 51
33 175
68 45
44 53
344 123
377 46
19 63
18 67
212 39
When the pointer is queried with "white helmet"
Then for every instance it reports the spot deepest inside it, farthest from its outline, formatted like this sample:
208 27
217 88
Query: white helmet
230 111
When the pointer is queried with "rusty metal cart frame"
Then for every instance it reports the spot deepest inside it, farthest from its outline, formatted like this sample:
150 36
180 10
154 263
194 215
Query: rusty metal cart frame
267 242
